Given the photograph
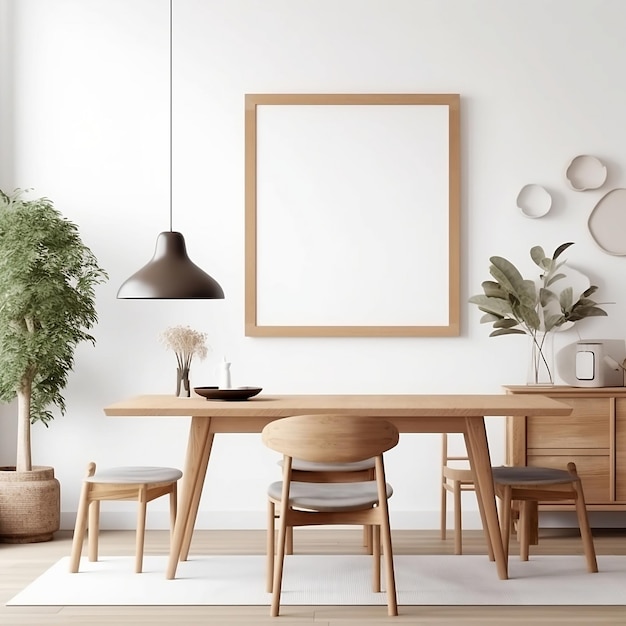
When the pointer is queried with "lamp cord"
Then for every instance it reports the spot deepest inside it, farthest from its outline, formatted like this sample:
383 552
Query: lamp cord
171 121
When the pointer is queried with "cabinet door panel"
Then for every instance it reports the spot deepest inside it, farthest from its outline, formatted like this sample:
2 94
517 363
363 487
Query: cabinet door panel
594 472
620 448
587 427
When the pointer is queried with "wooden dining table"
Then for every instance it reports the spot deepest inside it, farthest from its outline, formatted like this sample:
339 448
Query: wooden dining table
411 413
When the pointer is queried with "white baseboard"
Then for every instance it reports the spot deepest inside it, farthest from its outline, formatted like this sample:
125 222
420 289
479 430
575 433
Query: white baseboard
400 520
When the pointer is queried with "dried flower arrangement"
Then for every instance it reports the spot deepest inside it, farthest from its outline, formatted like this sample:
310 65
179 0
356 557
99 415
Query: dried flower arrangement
186 342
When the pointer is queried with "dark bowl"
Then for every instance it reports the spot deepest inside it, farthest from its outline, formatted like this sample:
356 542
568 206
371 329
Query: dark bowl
236 393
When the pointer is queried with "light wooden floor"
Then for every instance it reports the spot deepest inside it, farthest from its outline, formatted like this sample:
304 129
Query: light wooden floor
20 564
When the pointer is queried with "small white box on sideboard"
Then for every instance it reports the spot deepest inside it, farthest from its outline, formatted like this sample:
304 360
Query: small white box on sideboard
592 363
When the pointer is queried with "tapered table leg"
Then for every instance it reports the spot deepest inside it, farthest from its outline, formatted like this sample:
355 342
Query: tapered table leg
197 494
198 451
480 461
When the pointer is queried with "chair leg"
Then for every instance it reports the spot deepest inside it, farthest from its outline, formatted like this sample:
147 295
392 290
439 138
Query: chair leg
505 524
583 522
141 527
532 523
390 578
376 559
367 539
525 520
368 531
173 509
587 537
93 530
444 512
79 530
458 531
270 546
289 541
279 563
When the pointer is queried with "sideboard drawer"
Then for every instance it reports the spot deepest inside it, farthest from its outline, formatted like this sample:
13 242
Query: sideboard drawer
594 472
586 427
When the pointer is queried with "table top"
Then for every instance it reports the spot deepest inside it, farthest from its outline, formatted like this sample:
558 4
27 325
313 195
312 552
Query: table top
389 405
566 390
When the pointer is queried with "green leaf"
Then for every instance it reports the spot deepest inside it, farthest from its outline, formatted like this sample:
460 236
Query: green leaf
546 296
487 318
547 265
495 306
528 294
538 255
580 313
506 274
561 249
511 281
529 316
506 331
584 302
505 323
554 278
589 291
553 321
566 299
493 289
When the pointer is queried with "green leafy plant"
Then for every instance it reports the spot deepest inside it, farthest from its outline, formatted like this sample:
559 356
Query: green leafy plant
47 307
514 305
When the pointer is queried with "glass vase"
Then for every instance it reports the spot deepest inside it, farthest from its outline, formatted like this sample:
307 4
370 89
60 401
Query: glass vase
183 390
541 365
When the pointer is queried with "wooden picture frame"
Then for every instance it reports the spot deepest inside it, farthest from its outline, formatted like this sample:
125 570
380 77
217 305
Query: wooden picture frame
352 215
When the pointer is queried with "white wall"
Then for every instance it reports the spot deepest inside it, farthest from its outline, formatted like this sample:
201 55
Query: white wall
85 122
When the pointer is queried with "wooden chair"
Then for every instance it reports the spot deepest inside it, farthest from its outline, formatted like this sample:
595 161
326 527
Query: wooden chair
307 471
330 439
143 484
456 477
528 485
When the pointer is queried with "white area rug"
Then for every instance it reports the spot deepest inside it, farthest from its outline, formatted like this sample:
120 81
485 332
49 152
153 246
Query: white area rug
330 580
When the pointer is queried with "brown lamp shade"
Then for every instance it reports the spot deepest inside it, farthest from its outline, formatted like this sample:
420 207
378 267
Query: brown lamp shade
170 274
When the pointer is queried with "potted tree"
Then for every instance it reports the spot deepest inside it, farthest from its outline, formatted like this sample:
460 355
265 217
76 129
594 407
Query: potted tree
47 307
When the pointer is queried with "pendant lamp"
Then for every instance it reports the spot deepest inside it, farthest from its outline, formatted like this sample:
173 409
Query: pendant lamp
170 274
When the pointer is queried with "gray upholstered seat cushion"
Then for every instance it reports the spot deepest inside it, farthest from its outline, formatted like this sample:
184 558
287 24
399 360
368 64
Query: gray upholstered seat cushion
311 466
135 475
529 475
329 496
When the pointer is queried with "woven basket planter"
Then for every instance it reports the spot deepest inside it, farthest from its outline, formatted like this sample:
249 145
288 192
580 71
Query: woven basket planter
30 505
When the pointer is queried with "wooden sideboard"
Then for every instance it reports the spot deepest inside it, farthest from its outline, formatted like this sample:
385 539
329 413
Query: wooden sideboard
593 436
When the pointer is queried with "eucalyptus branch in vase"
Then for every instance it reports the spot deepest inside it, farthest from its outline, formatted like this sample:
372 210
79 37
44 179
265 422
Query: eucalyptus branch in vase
514 305
186 343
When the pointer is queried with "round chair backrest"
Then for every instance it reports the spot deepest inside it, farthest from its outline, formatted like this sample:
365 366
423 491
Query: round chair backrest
330 438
